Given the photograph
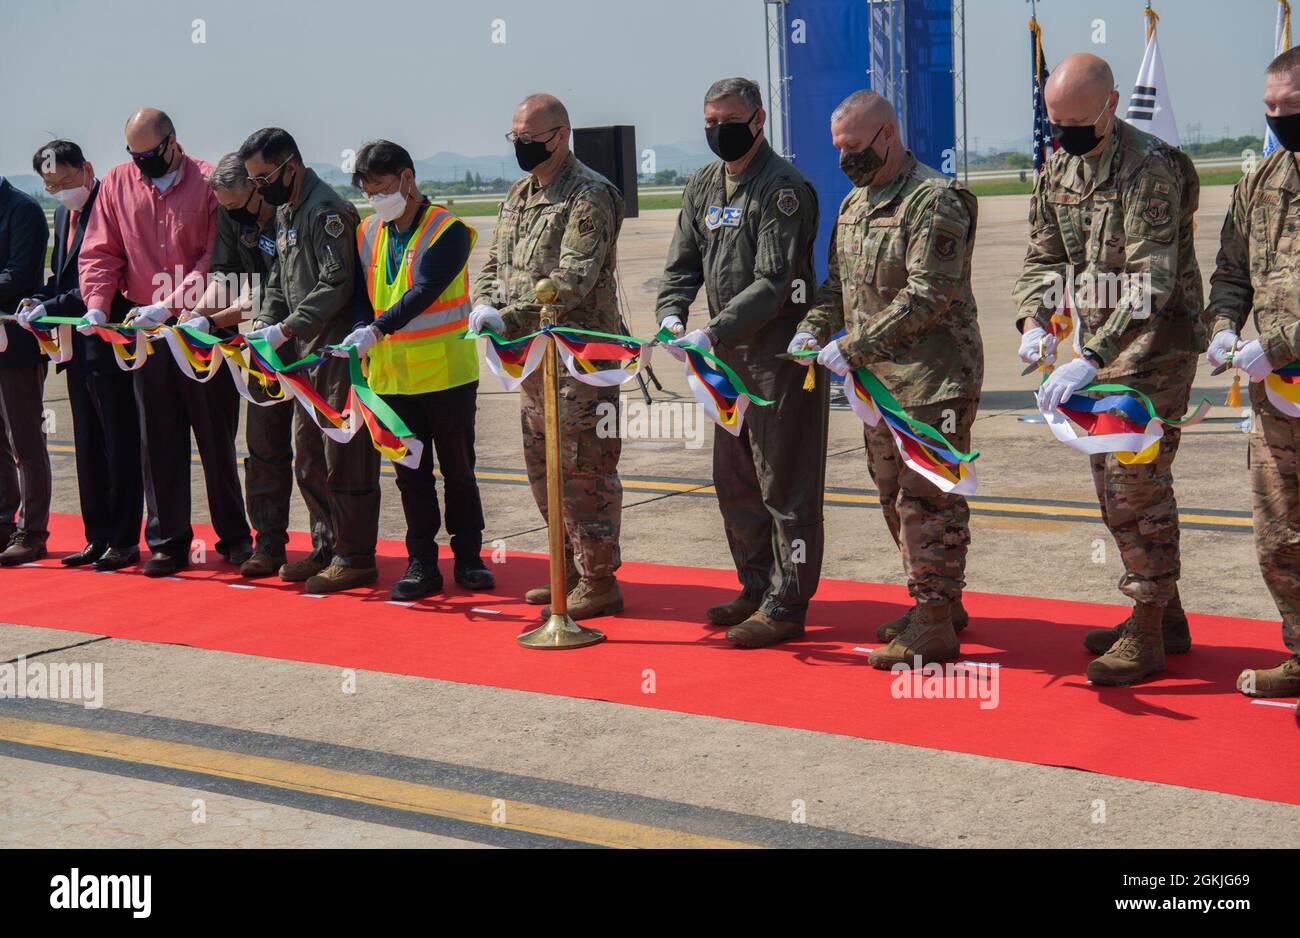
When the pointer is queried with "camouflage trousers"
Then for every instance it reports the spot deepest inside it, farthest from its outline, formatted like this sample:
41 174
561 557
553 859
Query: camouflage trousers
592 493
930 527
1137 500
1275 482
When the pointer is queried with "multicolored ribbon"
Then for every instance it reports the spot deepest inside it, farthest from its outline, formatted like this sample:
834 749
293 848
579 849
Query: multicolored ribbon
1123 422
1282 388
513 360
924 449
717 388
200 356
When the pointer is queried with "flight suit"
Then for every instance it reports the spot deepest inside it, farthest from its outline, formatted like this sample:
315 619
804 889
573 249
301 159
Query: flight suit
1257 268
1130 213
748 241
310 290
899 281
245 254
567 231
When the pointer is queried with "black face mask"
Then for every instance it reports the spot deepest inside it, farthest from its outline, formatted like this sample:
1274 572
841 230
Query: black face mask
1287 131
1077 141
530 155
732 140
242 216
861 167
277 193
154 166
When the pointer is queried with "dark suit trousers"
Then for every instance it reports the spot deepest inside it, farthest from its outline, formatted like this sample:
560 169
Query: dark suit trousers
25 480
110 480
171 407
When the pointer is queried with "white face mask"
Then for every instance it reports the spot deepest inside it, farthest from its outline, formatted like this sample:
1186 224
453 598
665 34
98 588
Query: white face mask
73 199
389 207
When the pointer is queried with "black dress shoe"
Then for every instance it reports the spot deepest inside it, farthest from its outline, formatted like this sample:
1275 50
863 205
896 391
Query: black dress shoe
473 575
239 554
420 579
164 564
88 554
115 559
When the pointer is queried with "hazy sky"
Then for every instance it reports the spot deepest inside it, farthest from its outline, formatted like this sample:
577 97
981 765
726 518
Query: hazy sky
427 73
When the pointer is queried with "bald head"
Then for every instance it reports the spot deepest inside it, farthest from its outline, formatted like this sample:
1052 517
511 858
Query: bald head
149 122
1079 88
542 119
547 108
865 106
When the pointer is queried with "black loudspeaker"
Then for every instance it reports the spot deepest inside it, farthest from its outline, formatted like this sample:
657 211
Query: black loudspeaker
611 151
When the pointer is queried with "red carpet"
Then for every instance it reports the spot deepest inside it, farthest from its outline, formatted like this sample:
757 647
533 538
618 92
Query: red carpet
1191 728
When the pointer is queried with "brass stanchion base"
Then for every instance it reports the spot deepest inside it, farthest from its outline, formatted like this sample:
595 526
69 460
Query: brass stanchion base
559 631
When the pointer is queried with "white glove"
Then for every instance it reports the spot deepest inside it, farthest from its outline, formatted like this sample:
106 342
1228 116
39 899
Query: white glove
484 318
28 313
361 339
1251 359
803 341
272 335
695 337
1065 381
1225 340
154 315
673 323
93 317
1030 353
833 359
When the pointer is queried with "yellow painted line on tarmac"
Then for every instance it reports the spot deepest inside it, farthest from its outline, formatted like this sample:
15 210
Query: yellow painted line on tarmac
978 506
393 793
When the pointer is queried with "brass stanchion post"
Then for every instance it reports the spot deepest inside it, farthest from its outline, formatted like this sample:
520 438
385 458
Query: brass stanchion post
559 631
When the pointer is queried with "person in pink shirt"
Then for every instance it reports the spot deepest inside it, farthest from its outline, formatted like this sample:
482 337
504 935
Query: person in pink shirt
150 240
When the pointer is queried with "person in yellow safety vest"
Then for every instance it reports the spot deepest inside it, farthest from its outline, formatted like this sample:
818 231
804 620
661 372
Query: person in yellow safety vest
414 258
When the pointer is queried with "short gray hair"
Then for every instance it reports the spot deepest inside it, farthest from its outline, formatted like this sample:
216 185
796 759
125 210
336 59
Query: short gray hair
230 174
743 88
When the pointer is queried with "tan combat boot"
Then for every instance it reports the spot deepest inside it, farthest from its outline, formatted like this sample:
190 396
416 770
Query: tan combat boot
1139 652
298 570
761 630
888 631
593 596
336 578
725 615
541 595
929 635
1177 634
1282 681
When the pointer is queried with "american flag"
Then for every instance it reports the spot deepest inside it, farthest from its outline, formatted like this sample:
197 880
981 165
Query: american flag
1044 145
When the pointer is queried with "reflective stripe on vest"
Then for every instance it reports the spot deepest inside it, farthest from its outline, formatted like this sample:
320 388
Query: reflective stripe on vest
427 354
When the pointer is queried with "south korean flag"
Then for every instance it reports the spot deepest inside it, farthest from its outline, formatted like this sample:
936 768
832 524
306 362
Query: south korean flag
1149 109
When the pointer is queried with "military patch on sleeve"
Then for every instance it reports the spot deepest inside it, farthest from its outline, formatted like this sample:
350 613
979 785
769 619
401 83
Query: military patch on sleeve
334 225
1156 212
787 202
586 225
945 246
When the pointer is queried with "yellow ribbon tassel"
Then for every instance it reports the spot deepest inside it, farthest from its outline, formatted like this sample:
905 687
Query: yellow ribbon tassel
809 379
1234 392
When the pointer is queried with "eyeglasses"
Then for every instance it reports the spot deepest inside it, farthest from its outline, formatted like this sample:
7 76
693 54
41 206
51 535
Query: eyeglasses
265 179
149 154
529 138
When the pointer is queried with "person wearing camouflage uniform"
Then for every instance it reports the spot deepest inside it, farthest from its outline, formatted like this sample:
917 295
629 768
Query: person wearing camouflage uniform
561 220
745 233
1257 269
1113 206
899 281
309 300
245 249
